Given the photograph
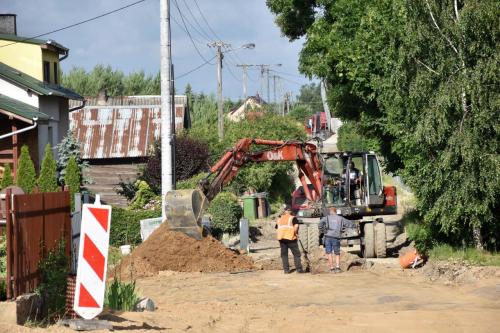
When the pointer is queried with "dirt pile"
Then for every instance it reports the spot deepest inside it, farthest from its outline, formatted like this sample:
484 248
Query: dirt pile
174 251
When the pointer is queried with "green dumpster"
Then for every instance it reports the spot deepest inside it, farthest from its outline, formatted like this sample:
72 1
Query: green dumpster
249 207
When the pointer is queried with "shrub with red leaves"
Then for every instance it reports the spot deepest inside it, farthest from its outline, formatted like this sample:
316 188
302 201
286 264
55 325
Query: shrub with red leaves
191 158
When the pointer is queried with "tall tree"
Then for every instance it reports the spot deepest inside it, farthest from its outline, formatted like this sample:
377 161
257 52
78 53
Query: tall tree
47 181
72 178
418 77
25 175
7 177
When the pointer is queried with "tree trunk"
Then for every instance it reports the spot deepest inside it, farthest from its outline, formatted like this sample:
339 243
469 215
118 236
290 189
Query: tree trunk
478 238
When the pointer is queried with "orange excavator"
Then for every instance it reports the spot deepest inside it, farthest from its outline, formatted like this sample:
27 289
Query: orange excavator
326 180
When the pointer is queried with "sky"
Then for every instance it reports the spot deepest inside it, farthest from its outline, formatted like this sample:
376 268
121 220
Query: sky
129 40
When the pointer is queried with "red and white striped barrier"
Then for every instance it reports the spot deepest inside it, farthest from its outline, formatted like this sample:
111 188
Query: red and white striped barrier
92 259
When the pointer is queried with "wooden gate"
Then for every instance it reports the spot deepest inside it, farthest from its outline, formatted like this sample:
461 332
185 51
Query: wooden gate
34 225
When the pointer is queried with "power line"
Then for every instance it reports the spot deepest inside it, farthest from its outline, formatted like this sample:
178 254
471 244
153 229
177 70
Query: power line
77 24
204 19
196 21
188 33
231 72
196 68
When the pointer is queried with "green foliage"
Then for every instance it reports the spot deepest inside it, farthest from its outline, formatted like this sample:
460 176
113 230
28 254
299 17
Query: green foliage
226 213
114 81
54 269
310 95
192 182
301 112
472 256
417 77
7 179
351 138
121 296
70 147
3 290
422 236
47 181
72 179
125 225
143 195
3 256
26 176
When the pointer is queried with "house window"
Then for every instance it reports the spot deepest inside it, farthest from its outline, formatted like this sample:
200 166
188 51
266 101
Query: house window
56 73
46 71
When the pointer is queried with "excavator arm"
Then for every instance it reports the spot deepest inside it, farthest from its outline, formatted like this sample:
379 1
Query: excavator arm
304 154
184 208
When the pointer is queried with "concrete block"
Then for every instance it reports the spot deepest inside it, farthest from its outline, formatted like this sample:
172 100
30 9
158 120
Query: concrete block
28 307
145 304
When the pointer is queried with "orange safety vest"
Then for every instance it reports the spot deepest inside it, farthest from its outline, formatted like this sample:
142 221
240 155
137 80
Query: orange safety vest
285 228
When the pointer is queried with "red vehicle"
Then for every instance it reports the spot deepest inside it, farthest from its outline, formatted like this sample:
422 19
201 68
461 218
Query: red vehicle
350 181
317 125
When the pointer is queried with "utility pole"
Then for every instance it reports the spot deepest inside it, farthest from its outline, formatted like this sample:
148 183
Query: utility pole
264 68
220 113
167 163
245 78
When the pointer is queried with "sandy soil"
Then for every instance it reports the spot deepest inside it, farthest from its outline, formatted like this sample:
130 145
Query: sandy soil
380 299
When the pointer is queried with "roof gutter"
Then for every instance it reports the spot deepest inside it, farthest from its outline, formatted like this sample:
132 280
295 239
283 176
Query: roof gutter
78 107
29 128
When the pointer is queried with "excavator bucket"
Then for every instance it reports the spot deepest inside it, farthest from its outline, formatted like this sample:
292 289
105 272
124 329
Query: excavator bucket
184 209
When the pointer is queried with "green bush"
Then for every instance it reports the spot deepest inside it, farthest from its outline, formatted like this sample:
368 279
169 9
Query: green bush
7 177
121 296
54 269
422 236
3 256
143 195
47 181
72 179
125 225
26 176
192 182
225 212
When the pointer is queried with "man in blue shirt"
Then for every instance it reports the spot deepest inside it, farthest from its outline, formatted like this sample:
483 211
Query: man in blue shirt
332 226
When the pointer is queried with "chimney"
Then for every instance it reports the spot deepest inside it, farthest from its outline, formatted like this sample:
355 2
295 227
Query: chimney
8 24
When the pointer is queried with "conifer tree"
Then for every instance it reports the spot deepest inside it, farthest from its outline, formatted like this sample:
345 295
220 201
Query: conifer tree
47 181
72 179
26 176
7 177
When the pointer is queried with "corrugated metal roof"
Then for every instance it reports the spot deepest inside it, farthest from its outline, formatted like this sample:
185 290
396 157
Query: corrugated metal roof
28 82
124 127
21 109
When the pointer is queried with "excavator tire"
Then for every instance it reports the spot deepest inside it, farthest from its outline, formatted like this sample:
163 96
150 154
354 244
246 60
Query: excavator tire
313 237
380 240
369 236
304 236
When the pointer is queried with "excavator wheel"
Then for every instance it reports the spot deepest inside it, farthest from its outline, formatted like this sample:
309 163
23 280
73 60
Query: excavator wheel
380 240
184 209
368 249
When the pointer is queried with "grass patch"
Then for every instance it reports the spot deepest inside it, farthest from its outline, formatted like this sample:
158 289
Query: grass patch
121 295
470 255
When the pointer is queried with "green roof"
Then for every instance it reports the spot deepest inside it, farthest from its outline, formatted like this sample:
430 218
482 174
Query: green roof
21 109
15 38
28 82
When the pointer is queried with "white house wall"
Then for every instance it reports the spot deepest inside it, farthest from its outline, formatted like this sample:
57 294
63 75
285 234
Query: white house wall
10 90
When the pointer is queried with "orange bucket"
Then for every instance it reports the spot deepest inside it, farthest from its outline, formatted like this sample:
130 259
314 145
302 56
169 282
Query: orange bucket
409 259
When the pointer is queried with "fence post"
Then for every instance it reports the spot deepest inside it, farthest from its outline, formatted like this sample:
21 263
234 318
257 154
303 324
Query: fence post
76 220
8 230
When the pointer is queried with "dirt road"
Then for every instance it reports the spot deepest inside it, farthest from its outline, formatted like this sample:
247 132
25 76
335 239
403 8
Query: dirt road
375 300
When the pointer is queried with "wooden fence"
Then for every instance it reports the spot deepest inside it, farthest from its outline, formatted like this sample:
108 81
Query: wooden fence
35 223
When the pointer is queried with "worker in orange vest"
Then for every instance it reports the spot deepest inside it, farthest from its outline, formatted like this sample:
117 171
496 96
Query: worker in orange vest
288 230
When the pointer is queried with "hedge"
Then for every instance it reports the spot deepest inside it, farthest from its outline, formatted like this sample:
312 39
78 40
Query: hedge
125 225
